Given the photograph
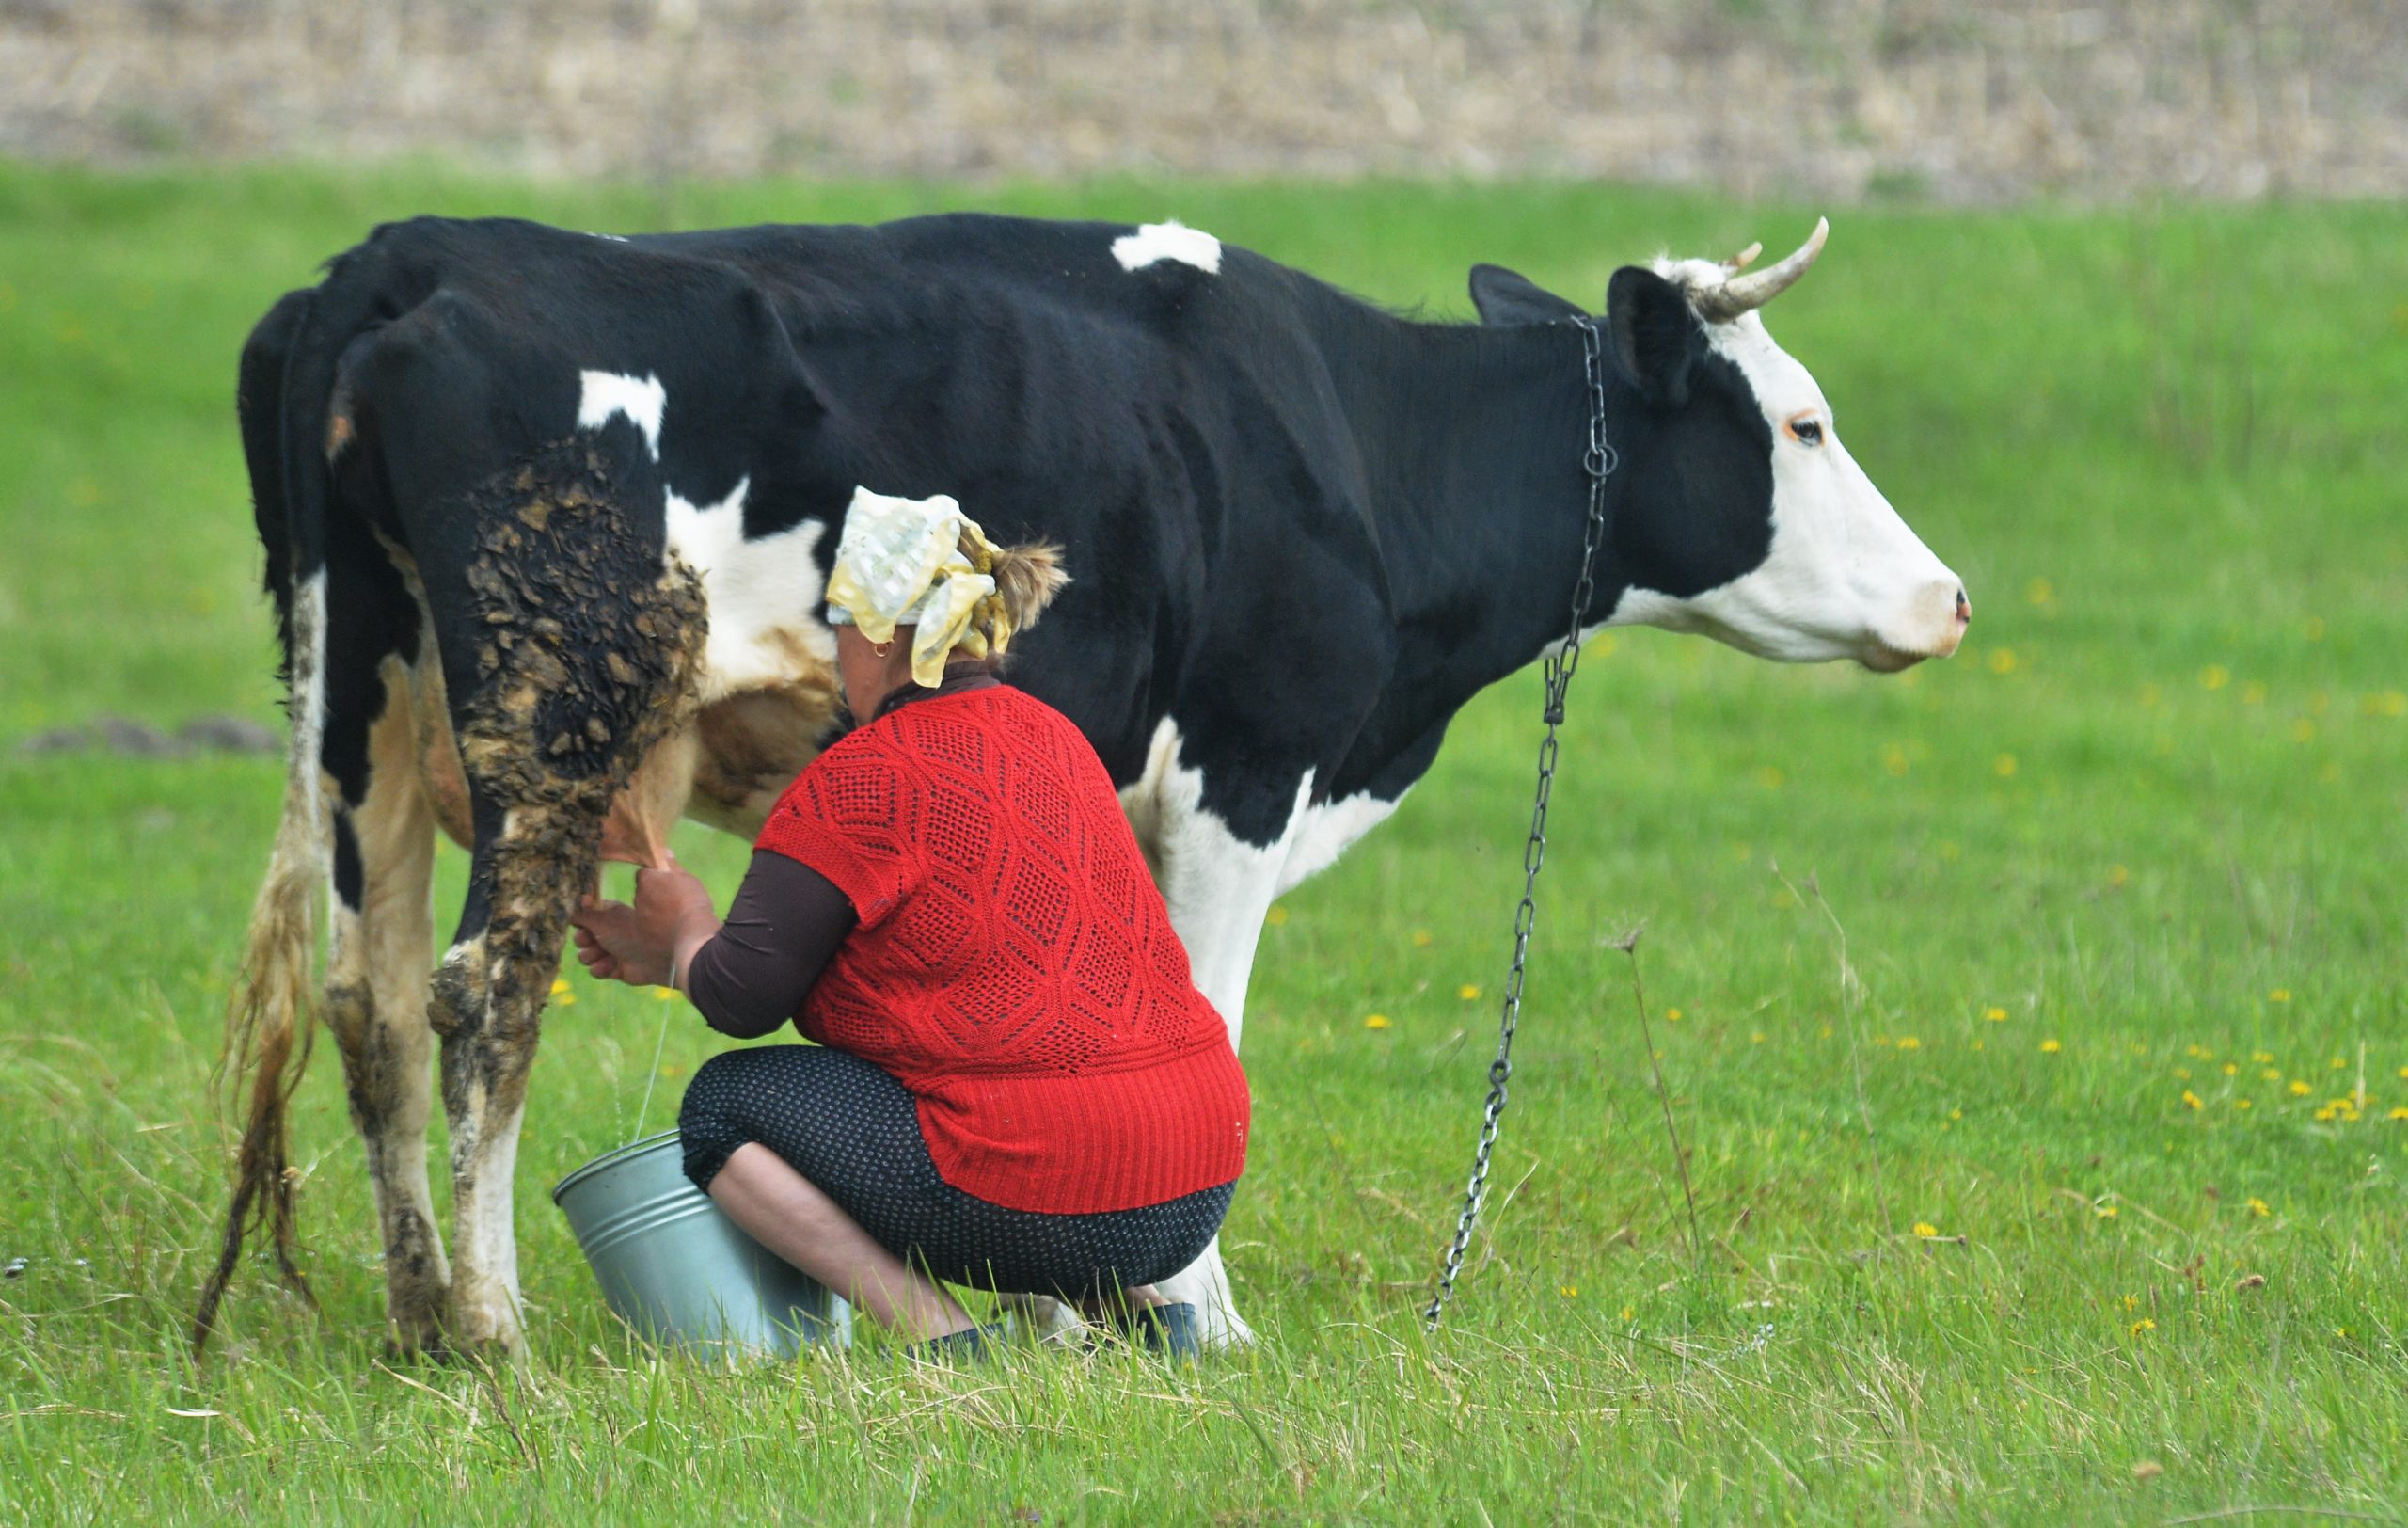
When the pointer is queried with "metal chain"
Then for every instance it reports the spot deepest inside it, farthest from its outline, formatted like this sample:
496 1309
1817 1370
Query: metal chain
1598 463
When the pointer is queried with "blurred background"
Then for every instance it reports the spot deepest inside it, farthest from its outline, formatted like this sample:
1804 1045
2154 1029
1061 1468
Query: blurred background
1755 98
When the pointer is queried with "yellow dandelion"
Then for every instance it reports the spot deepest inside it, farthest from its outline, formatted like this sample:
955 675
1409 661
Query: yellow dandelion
2261 1057
2002 661
2132 1302
1911 1043
2192 1098
2144 1324
1757 1038
2338 1063
2243 1104
1977 1044
2050 1047
2272 1074
1996 1015
2300 1088
1570 1292
2302 730
1925 1230
2257 1206
2107 1212
1423 939
2039 592
2215 676
1956 1114
566 999
1276 917
1375 1021
2181 1074
2399 1113
2280 994
2232 1068
1672 1016
1468 991
1629 1313
560 985
2004 766
665 993
2118 875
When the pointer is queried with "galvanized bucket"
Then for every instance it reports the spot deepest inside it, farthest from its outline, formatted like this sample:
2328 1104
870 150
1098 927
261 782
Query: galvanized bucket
678 1270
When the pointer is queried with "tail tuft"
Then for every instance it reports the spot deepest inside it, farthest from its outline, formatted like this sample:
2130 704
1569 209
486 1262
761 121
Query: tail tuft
270 1017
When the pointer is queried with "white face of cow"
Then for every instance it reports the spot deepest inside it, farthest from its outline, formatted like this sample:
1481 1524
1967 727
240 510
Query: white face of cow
1844 577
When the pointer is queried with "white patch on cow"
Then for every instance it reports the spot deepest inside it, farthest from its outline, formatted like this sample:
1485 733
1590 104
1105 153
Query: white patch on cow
614 238
1845 577
1327 830
763 595
1172 240
486 1304
643 399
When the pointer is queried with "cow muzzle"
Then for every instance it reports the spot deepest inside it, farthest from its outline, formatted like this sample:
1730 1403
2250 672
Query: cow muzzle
1933 626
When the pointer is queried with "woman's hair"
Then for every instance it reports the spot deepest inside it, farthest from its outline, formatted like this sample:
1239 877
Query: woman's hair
1026 580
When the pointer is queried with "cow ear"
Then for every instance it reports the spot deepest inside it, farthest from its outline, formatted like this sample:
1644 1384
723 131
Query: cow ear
1650 324
1506 297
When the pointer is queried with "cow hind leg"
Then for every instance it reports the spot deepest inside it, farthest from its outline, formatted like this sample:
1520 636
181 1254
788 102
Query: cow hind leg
382 949
569 656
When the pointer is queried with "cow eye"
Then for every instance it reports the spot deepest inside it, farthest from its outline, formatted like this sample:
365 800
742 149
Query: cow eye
1806 430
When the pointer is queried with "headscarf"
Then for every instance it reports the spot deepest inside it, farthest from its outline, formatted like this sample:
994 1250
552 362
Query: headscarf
920 562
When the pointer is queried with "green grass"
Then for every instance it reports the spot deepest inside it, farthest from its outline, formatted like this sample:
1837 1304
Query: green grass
2153 820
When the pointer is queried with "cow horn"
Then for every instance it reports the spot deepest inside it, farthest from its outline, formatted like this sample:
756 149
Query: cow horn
1744 259
1737 293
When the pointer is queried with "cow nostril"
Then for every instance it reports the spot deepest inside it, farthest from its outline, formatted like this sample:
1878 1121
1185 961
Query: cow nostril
1964 608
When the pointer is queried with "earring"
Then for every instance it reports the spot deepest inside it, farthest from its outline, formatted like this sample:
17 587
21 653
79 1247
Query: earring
882 648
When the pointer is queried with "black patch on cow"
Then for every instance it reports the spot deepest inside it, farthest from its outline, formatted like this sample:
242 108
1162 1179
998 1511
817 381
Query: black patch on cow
350 884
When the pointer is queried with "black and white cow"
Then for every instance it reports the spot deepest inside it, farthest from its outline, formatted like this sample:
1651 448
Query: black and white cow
548 517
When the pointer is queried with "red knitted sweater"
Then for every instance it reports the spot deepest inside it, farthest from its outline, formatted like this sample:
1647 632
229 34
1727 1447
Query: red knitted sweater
1014 967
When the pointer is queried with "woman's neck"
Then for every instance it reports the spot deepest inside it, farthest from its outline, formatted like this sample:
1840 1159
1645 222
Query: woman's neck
957 678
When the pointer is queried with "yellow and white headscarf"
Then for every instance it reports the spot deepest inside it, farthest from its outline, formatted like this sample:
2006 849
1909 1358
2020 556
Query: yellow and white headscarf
920 562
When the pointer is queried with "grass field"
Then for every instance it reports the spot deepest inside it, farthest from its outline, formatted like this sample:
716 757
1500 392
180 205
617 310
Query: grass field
2048 1104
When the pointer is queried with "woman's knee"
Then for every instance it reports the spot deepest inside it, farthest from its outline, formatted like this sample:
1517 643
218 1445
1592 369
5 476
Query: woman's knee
706 1120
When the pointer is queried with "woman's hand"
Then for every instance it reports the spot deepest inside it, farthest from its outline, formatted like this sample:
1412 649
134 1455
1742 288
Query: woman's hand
647 942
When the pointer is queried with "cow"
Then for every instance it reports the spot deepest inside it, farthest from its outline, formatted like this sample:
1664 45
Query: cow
548 517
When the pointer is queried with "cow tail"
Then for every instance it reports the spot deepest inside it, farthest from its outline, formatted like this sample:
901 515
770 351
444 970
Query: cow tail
271 1012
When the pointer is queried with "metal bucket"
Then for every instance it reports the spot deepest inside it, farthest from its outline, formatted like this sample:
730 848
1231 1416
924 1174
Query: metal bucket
678 1270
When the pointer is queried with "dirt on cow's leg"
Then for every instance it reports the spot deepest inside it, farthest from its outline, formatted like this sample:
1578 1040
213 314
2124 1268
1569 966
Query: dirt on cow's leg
586 659
376 1005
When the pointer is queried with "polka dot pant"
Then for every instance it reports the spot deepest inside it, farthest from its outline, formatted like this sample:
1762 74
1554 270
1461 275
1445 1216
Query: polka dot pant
853 1130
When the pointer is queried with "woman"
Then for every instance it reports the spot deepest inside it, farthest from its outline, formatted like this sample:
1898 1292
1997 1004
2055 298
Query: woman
1017 1085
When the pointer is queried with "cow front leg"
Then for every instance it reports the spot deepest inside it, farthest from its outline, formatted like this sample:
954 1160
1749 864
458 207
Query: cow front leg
1219 885
376 1005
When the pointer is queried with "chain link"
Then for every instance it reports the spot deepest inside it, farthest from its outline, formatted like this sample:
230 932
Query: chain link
1598 463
